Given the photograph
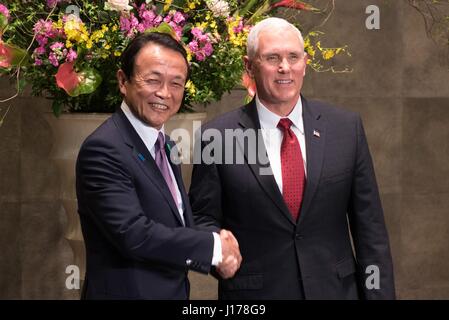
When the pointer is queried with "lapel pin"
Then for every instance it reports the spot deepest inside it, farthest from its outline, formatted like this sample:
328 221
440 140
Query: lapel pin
141 157
316 133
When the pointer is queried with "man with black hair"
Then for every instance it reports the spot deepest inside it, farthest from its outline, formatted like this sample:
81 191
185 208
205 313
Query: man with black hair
135 214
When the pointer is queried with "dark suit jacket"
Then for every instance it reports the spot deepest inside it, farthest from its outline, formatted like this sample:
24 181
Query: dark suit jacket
136 244
312 258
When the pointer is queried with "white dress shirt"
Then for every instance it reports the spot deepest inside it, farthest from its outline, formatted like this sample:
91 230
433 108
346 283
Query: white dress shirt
149 136
272 136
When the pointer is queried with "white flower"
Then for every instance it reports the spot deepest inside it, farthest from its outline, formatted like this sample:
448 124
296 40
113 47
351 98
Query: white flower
218 7
117 5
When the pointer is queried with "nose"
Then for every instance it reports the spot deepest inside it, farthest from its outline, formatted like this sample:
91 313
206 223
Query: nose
163 91
284 65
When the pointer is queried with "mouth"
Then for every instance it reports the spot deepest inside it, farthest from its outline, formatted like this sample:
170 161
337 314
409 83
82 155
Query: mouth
158 106
283 82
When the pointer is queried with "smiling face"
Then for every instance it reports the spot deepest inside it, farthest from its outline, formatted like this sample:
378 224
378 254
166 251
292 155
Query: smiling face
278 68
155 90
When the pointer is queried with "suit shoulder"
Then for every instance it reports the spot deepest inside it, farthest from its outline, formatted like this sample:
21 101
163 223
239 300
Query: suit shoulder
333 112
103 139
226 120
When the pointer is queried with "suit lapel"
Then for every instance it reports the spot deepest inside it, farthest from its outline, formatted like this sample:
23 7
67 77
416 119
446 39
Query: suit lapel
144 159
250 120
315 136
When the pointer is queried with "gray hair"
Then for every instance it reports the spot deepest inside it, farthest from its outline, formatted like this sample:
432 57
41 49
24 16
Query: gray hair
271 23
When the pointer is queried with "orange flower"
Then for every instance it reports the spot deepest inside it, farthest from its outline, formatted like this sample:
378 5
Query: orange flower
67 78
294 4
5 55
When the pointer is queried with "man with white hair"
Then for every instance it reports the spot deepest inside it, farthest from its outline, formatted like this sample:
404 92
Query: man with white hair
294 225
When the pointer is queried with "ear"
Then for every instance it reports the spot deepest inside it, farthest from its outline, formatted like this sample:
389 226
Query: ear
248 66
306 58
122 79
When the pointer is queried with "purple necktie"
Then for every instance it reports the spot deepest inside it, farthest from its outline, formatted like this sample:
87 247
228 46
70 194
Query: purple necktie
162 162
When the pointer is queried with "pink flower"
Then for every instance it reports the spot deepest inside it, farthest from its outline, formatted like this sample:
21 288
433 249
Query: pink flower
238 28
71 55
178 30
37 62
167 18
53 59
197 33
42 40
208 49
52 3
193 46
201 45
4 11
129 25
179 17
44 30
200 56
39 51
56 46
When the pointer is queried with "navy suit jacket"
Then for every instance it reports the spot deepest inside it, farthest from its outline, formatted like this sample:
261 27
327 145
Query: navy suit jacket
312 258
136 244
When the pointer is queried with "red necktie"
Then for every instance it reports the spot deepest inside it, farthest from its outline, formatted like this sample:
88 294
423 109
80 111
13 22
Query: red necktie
293 178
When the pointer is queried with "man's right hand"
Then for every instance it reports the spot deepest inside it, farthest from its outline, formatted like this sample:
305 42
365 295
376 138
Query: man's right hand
231 258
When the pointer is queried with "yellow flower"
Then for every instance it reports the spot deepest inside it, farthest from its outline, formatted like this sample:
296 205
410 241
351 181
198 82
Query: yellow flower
190 88
167 5
328 54
75 31
202 25
57 25
96 36
308 47
117 53
191 4
189 54
237 40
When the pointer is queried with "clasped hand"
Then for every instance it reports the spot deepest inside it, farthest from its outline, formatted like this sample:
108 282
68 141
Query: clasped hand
231 257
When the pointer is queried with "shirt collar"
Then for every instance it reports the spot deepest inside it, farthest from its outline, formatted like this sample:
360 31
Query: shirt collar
147 133
270 120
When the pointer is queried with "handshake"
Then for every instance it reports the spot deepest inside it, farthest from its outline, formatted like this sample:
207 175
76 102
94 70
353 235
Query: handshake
231 257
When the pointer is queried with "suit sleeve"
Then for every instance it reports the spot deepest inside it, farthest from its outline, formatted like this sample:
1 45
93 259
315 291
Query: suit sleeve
205 191
107 195
368 228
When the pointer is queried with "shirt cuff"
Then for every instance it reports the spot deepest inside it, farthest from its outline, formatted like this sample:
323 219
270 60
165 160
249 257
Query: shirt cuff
217 256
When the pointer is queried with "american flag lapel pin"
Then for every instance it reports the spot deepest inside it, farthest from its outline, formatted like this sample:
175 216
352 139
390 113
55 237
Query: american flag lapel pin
316 133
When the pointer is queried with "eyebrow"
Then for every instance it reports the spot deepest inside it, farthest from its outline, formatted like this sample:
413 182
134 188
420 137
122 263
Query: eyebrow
159 74
278 54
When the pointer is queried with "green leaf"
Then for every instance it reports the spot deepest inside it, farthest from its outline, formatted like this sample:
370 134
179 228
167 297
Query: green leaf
91 80
21 85
57 108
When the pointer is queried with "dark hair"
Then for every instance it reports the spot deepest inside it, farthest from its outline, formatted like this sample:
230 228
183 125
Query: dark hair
163 39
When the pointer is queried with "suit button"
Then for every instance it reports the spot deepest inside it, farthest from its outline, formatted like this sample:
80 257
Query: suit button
299 236
188 262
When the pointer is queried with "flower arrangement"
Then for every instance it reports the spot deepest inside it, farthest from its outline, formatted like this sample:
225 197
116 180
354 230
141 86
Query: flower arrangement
69 51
